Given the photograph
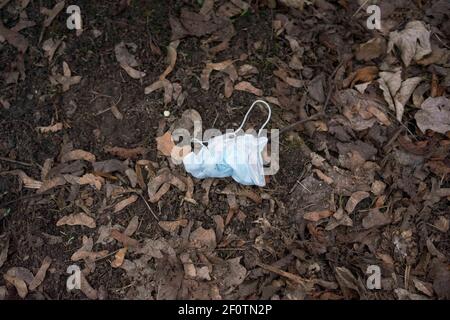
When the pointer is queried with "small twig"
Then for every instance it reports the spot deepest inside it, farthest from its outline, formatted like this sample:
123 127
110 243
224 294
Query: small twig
149 208
360 7
107 256
26 164
288 275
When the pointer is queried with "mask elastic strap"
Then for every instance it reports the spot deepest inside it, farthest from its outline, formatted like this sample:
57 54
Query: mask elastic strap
248 112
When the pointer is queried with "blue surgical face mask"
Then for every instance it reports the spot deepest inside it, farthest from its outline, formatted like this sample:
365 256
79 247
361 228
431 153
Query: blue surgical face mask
231 155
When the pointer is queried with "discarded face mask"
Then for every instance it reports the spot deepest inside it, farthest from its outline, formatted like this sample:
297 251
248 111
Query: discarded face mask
231 155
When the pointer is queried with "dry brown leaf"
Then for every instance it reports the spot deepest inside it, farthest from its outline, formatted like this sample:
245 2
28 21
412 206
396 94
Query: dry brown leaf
203 238
365 74
78 154
123 55
219 66
19 277
380 115
434 115
126 153
165 144
119 257
40 275
92 180
322 176
247 69
354 199
168 89
14 38
23 23
228 87
315 216
371 49
248 87
133 73
207 7
52 183
173 226
77 219
85 252
355 106
204 78
132 226
125 203
206 185
66 79
86 288
171 58
4 252
437 56
413 42
50 46
52 13
116 112
256 198
19 284
124 239
53 128
375 218
442 224
28 182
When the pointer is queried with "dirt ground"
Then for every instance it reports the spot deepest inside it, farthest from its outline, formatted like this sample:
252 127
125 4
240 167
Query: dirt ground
362 188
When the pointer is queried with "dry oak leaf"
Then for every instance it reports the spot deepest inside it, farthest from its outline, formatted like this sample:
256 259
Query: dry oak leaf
248 87
413 41
125 203
77 219
165 144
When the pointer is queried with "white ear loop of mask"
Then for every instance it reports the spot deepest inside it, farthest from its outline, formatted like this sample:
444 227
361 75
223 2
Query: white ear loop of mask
265 104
